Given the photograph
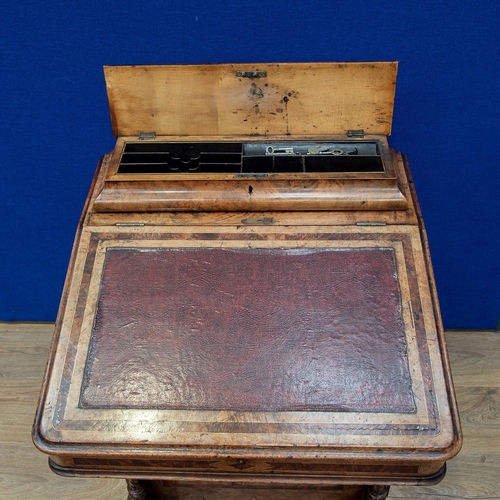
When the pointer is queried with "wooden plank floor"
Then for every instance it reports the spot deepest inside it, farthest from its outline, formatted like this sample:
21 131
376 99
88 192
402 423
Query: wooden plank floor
24 473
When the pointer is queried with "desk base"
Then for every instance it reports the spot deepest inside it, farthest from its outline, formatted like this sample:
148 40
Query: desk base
166 490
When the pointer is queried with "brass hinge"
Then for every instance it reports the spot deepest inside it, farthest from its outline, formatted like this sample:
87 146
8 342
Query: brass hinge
147 136
356 133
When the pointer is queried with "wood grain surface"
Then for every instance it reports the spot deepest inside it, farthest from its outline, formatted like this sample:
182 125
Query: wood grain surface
24 472
317 98
279 444
278 431
193 192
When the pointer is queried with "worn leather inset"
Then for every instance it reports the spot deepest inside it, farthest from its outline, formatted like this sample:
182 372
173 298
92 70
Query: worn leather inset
249 329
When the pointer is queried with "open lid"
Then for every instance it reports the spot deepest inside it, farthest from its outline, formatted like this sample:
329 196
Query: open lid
252 99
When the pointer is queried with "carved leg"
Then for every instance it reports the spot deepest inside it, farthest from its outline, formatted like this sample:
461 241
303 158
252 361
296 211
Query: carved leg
137 490
377 492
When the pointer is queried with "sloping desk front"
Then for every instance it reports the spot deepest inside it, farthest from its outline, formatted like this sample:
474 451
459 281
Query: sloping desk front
250 307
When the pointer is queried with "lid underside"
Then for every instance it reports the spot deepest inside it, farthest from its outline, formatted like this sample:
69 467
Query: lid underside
252 99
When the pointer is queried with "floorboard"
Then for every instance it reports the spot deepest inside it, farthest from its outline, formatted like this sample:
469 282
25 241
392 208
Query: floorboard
24 473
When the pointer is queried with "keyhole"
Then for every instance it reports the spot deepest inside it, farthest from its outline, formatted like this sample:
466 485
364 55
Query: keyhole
250 190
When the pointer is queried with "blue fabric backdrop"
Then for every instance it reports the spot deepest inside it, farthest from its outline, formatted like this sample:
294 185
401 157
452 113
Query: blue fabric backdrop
55 123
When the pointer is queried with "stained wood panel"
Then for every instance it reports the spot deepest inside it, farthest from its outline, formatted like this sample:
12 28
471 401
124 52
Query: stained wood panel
292 99
316 427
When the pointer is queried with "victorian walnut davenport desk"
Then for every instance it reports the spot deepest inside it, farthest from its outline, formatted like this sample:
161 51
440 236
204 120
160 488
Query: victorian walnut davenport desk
250 310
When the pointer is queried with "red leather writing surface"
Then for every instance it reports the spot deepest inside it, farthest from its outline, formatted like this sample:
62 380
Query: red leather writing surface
249 329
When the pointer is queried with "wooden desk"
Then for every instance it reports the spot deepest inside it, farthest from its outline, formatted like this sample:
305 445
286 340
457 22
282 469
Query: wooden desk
246 344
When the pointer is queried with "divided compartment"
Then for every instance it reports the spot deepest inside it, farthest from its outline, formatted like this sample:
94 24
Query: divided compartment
249 158
180 158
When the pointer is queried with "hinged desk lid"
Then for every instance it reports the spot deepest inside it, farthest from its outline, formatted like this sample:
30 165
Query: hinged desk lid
252 99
